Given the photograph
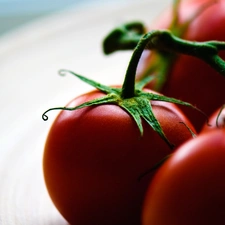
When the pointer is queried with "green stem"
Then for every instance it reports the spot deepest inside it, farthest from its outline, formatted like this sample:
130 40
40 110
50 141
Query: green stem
163 40
175 19
128 88
124 37
216 63
206 51
127 36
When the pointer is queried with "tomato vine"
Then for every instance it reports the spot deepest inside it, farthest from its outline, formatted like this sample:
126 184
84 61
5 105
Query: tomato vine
131 97
126 37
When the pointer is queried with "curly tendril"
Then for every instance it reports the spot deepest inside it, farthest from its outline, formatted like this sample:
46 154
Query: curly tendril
63 72
45 117
219 114
190 130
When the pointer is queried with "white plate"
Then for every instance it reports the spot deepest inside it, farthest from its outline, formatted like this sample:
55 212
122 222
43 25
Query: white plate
29 61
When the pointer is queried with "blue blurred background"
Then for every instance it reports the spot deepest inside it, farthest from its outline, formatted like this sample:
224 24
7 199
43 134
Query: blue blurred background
14 13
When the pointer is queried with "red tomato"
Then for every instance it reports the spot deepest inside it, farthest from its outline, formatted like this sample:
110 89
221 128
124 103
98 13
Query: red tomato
191 79
217 120
94 157
189 188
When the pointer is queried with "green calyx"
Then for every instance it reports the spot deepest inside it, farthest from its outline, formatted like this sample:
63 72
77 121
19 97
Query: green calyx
131 97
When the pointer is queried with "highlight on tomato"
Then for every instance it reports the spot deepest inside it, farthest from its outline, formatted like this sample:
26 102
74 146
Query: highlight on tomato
189 186
103 142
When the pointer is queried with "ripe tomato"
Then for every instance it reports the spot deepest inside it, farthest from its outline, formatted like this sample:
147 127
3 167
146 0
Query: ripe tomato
190 79
189 187
94 157
216 120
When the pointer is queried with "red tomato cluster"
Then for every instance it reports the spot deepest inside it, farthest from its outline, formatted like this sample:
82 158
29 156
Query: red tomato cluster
189 187
98 168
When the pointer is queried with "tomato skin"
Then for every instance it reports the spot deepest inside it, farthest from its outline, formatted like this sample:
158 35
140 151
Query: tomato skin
212 124
94 157
189 187
191 79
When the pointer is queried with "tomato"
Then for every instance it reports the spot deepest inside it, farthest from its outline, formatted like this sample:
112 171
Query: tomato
191 79
189 187
216 120
94 157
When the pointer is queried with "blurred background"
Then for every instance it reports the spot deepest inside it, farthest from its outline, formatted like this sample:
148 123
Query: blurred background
15 13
